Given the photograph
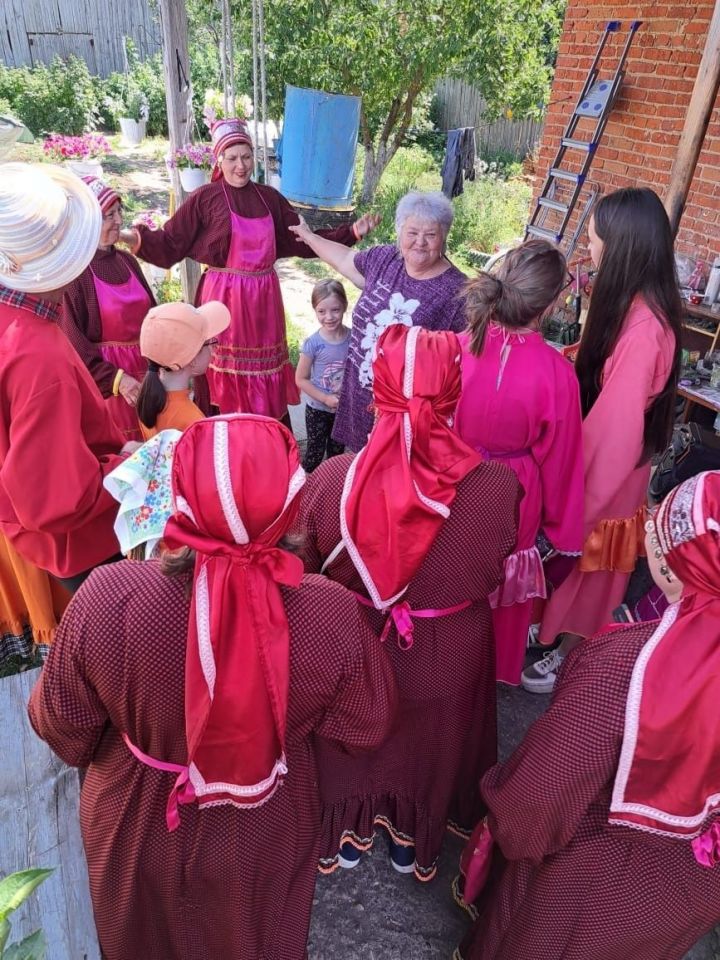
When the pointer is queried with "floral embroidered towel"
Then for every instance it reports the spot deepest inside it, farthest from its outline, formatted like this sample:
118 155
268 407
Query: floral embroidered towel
141 485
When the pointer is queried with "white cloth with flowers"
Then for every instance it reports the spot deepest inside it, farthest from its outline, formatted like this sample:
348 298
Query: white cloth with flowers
141 485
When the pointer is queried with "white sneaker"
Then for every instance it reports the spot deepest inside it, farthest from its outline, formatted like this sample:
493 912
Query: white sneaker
533 639
541 676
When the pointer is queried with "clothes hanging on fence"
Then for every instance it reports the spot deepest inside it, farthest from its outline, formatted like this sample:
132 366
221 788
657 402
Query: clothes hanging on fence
459 162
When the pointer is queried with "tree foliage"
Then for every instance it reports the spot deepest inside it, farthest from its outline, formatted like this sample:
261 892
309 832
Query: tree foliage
391 53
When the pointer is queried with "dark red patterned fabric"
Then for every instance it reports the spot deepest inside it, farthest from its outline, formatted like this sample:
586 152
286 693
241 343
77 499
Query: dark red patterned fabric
228 884
574 886
80 313
445 737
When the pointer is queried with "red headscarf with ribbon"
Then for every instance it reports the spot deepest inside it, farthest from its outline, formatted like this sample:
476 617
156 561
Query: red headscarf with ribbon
668 778
235 484
400 487
225 134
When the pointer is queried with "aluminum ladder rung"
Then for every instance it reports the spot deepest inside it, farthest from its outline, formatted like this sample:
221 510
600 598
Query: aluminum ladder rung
567 175
571 144
553 204
544 234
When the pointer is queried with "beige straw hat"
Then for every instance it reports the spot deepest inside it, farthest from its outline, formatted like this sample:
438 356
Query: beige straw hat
50 225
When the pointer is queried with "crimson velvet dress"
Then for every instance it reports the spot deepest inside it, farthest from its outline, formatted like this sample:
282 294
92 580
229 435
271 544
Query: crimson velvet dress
57 441
239 232
575 887
445 738
228 884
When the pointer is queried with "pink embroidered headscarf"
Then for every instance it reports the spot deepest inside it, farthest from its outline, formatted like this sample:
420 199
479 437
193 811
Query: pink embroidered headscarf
235 484
224 134
668 778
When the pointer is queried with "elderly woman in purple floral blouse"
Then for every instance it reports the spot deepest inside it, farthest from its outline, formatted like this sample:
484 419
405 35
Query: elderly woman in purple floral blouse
412 283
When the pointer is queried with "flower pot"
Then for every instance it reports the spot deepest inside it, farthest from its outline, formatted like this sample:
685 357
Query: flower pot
193 177
86 168
133 131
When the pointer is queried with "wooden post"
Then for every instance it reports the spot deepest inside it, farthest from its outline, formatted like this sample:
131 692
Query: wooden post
702 102
178 97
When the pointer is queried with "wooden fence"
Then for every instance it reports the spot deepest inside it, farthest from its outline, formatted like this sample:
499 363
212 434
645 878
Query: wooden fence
39 828
461 105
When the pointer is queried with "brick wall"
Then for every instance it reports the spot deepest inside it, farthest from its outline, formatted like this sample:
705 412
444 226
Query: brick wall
642 134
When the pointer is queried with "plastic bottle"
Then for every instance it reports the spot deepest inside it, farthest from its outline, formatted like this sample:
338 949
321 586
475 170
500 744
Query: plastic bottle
697 277
712 290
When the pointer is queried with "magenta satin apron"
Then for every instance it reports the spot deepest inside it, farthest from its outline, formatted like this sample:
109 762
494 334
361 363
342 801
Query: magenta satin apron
122 310
250 370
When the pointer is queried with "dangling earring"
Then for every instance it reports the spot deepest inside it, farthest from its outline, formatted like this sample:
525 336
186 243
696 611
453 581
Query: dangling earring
657 552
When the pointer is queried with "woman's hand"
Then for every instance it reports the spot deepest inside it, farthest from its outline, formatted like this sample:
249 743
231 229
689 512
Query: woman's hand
130 447
131 238
302 231
129 389
332 401
365 224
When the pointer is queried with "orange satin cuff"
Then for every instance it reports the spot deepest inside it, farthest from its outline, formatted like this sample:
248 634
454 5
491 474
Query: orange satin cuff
615 545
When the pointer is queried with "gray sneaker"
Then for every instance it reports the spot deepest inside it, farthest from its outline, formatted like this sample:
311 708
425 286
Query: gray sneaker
541 676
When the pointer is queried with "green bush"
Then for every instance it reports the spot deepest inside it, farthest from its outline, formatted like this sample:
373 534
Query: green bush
58 98
492 211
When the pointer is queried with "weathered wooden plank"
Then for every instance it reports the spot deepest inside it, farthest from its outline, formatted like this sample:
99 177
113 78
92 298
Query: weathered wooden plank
106 22
697 118
39 828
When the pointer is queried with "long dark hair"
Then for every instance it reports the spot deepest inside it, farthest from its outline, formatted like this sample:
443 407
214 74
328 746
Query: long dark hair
637 260
152 397
527 282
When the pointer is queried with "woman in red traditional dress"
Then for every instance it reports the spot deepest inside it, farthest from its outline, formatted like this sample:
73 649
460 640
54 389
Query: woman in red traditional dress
239 229
420 528
213 686
102 311
606 814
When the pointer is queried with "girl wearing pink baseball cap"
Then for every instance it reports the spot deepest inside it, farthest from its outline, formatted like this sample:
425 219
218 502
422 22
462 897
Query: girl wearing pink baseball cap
176 340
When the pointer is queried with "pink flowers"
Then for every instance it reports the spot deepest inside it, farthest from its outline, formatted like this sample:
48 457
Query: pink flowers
152 219
198 155
87 147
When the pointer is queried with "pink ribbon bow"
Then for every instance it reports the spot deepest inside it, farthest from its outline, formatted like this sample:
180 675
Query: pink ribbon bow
706 847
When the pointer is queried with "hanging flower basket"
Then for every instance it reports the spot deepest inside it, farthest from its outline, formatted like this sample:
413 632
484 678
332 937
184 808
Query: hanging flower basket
194 162
133 131
193 177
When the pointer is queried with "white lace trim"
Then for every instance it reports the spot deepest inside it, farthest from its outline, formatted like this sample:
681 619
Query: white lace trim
333 554
202 622
223 480
297 481
183 506
351 547
202 788
410 351
632 717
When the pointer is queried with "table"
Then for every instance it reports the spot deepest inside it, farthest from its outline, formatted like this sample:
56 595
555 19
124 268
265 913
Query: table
705 396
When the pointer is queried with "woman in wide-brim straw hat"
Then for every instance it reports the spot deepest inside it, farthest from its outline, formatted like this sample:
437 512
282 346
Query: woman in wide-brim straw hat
239 229
57 438
102 311
211 678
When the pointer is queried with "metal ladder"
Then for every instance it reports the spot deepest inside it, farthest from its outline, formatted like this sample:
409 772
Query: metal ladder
596 102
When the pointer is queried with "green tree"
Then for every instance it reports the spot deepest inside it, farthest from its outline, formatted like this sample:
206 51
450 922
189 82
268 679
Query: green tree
391 53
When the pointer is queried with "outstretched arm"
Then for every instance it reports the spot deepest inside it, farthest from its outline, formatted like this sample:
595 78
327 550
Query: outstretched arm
336 255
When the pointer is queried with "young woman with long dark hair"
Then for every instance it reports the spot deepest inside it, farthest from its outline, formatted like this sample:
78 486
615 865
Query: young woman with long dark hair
520 405
627 367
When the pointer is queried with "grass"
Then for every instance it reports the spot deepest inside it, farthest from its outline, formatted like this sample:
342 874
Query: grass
491 212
